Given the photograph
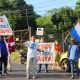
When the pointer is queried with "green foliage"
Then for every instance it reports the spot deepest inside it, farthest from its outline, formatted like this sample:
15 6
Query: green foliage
77 10
15 56
46 23
78 4
64 19
17 12
4 4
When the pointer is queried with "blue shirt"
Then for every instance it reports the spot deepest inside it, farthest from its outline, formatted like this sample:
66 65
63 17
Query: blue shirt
74 52
3 48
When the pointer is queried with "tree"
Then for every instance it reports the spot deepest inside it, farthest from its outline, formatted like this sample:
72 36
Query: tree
17 12
64 19
46 23
78 4
77 10
4 4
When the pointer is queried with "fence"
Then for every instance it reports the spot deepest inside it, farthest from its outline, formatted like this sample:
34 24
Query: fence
23 35
20 37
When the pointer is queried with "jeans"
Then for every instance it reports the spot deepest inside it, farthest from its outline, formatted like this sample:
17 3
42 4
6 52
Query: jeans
74 65
31 66
9 63
46 67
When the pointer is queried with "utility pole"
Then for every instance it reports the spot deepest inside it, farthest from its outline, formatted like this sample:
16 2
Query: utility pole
63 40
29 28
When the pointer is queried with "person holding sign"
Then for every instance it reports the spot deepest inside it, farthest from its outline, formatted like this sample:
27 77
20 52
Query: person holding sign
5 30
46 65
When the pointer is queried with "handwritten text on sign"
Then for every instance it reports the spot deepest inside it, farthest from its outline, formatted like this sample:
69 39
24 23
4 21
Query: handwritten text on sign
47 55
5 28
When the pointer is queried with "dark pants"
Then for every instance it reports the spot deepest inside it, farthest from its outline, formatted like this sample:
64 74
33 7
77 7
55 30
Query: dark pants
0 66
46 67
3 60
74 63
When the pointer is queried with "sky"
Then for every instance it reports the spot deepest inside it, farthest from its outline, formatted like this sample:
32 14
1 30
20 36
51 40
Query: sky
42 6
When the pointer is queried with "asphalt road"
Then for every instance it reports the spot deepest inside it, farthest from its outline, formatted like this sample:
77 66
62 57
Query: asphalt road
18 73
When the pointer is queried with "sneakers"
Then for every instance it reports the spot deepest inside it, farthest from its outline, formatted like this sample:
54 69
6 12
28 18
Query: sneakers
72 77
46 71
0 74
34 77
38 71
28 77
6 73
9 69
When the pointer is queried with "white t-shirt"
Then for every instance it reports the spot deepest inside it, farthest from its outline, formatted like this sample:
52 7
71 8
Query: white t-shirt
32 49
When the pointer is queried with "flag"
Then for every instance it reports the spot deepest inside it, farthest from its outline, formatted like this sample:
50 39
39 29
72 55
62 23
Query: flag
11 44
75 32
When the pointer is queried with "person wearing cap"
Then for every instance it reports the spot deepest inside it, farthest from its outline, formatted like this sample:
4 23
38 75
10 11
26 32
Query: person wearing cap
73 54
4 53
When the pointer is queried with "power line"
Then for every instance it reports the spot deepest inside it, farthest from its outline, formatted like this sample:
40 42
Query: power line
44 2
31 13
50 9
48 4
30 10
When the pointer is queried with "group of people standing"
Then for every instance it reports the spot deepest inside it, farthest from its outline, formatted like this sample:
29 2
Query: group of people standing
33 48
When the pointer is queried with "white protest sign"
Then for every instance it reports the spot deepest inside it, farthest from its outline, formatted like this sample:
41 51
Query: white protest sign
5 28
40 31
48 56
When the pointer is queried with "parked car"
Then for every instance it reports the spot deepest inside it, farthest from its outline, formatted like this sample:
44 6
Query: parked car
65 62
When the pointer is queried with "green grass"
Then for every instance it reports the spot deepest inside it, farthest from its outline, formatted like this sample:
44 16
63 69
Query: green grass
15 56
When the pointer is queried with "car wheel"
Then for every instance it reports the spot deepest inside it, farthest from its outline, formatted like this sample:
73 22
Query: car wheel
65 64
